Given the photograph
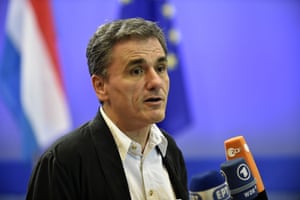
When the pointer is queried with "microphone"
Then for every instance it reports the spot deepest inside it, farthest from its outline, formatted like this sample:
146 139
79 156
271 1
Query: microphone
241 183
237 147
210 185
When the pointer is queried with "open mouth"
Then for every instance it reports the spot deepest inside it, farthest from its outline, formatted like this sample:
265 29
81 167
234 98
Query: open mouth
154 99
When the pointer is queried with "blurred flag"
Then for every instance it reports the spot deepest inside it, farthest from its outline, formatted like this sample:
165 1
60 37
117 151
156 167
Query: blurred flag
31 84
162 12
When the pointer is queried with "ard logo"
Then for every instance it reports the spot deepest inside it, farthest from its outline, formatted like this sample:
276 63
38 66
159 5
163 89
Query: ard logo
243 172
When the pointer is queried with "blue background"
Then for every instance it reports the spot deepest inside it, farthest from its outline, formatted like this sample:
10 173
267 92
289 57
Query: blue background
241 64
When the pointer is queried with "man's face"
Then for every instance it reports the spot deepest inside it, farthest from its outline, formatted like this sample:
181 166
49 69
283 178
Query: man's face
135 93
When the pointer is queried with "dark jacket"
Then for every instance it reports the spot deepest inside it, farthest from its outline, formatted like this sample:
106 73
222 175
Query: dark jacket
85 164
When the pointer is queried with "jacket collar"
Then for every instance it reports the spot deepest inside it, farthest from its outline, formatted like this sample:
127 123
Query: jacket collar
109 158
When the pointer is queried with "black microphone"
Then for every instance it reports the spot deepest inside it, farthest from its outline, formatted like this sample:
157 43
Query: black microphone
237 147
210 185
241 183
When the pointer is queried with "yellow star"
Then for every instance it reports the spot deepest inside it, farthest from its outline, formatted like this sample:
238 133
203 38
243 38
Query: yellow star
172 61
174 36
125 1
168 10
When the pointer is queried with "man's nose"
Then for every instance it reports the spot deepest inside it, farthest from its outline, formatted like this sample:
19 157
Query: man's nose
154 79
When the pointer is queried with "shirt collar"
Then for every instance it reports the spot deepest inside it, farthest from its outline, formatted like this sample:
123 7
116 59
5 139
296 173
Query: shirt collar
123 142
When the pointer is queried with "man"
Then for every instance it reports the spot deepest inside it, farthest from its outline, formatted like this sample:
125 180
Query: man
121 153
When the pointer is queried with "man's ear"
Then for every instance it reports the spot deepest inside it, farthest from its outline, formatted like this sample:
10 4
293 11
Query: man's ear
98 83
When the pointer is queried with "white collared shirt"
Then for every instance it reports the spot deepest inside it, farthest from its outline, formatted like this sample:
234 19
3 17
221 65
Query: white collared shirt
146 175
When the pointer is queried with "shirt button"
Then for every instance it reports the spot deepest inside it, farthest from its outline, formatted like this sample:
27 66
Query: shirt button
133 147
151 192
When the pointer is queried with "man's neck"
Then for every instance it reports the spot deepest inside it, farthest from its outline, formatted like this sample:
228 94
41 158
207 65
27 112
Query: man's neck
140 136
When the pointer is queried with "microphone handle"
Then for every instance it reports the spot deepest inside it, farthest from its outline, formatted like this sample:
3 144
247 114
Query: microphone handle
262 196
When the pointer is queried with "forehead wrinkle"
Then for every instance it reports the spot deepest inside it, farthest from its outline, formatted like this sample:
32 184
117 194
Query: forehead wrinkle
141 52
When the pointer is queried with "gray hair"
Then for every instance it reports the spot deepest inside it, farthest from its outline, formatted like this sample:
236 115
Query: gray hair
99 48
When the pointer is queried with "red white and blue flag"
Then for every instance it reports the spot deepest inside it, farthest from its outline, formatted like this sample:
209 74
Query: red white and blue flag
31 83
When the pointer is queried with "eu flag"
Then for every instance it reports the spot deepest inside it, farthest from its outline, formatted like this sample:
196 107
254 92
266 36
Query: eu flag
162 12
